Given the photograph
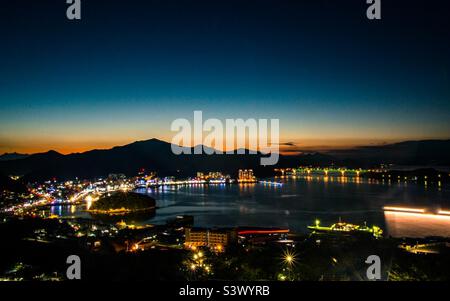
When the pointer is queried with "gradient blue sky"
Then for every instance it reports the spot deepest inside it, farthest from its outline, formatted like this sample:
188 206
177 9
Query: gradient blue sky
129 68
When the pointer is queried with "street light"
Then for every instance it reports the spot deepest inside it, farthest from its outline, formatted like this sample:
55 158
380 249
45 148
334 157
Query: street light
289 257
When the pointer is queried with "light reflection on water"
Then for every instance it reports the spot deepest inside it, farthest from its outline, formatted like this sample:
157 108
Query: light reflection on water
407 224
298 203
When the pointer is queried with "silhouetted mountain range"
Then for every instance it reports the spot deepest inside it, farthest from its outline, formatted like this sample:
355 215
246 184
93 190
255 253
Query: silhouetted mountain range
12 156
156 155
424 152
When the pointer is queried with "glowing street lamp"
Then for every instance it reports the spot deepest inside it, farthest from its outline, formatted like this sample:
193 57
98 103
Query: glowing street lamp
289 257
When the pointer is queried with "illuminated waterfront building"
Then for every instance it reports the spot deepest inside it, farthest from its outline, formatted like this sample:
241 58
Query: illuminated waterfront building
210 175
246 176
216 239
215 175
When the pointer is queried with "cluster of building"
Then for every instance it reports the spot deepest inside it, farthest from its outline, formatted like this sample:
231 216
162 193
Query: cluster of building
55 192
213 177
73 192
218 239
246 176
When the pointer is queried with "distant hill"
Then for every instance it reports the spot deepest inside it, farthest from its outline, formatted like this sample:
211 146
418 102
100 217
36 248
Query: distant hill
12 156
156 155
152 155
423 152
123 201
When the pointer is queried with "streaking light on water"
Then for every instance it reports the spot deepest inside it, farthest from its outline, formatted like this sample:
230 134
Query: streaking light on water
413 224
421 215
404 209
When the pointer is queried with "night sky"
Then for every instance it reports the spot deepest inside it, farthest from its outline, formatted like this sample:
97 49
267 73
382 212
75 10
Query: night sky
128 68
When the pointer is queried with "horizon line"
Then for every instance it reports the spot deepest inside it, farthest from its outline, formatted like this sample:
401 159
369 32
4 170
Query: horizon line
292 152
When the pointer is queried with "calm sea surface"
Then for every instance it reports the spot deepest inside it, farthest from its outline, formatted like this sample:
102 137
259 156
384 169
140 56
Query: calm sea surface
298 202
